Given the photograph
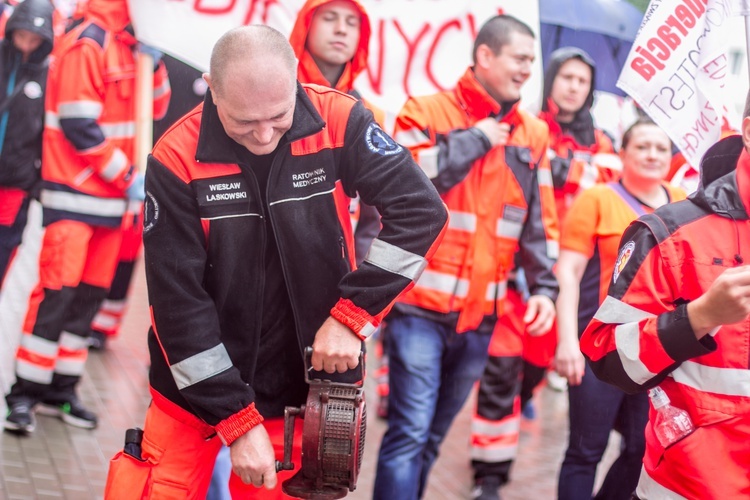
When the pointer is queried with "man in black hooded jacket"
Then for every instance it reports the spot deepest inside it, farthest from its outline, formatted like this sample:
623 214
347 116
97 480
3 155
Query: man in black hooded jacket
24 56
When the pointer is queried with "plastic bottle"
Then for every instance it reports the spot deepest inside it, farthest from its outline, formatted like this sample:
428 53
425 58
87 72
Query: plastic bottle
671 423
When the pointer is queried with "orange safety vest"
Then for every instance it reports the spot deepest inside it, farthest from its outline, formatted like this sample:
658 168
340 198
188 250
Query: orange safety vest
489 208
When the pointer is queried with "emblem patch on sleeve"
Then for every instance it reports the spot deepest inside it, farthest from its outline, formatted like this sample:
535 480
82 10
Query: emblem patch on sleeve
622 259
379 142
150 212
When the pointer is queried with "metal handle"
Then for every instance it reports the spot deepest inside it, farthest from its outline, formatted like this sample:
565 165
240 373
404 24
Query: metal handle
309 368
290 413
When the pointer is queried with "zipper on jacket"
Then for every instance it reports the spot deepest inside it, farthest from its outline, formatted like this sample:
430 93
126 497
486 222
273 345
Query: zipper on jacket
284 271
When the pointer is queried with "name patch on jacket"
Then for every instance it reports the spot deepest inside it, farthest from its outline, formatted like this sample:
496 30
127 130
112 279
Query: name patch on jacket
222 196
309 178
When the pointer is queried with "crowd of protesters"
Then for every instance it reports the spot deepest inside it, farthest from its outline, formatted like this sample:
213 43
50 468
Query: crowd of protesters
468 240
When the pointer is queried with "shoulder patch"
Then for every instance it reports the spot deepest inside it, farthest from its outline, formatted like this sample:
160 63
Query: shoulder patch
150 212
379 142
95 33
622 259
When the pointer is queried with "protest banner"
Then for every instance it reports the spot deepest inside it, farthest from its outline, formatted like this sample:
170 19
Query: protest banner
677 67
417 46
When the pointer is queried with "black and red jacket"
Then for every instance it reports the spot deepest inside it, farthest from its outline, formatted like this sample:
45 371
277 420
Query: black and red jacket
204 238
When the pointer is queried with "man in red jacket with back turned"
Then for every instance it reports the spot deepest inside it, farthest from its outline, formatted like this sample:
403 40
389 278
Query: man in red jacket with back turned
677 316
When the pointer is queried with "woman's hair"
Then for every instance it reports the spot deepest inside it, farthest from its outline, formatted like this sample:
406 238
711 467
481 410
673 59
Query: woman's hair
644 120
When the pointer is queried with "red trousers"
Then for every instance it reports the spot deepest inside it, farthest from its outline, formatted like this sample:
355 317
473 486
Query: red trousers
179 452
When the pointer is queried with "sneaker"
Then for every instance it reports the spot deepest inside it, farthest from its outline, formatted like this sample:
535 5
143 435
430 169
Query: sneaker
20 419
71 412
97 340
486 488
556 382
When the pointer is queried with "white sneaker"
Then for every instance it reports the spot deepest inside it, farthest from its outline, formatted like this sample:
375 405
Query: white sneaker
556 382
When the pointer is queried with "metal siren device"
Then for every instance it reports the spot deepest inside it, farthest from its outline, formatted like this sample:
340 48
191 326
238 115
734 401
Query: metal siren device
333 438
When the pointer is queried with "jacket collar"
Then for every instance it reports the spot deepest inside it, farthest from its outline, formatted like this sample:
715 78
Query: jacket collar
215 146
478 103
725 179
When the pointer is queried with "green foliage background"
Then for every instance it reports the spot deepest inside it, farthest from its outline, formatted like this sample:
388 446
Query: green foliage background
641 4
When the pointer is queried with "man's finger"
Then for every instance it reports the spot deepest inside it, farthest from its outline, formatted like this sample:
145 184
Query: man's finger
269 479
316 360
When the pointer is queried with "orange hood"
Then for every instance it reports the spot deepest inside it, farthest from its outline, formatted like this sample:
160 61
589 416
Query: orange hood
112 14
308 71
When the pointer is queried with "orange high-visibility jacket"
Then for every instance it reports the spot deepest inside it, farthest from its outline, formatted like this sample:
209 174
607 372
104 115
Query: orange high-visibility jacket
89 136
498 198
641 335
577 166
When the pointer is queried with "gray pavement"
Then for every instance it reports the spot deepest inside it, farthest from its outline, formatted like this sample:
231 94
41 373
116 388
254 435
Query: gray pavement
60 461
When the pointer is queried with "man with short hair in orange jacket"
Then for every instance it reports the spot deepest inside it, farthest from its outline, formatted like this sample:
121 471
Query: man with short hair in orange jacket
518 361
88 181
488 159
248 262
677 316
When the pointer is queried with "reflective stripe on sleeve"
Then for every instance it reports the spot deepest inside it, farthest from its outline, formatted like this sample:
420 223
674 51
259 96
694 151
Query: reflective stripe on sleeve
83 204
428 161
116 165
395 260
119 130
410 138
80 109
613 311
627 340
201 366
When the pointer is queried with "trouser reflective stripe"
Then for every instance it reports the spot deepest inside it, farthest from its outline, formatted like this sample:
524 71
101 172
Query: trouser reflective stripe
76 266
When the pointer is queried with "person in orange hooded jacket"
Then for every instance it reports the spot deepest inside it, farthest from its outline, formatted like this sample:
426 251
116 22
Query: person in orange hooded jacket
88 184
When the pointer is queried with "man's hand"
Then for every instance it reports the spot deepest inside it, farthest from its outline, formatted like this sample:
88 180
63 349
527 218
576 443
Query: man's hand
569 362
726 301
336 348
253 459
540 314
497 133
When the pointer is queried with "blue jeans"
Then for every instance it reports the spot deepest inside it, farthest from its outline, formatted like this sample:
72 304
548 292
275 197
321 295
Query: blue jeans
595 409
432 372
219 487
